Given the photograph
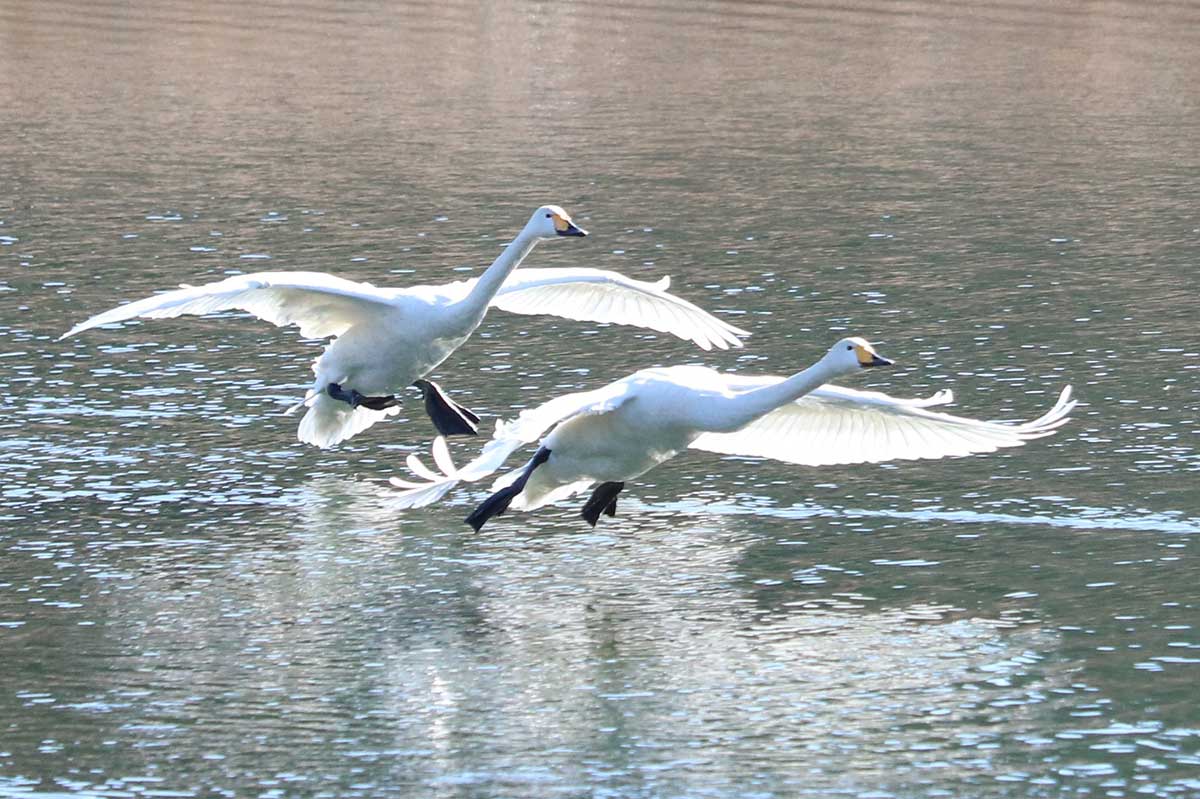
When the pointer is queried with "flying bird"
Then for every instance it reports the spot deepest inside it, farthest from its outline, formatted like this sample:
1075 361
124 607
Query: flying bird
385 339
614 434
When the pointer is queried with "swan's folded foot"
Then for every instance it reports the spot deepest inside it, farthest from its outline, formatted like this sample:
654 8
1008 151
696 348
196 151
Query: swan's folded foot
497 503
378 403
355 400
450 418
603 500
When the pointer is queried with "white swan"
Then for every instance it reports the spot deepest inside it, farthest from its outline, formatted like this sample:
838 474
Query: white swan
388 338
621 431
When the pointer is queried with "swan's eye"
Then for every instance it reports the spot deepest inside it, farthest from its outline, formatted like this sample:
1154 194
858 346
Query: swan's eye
548 216
849 346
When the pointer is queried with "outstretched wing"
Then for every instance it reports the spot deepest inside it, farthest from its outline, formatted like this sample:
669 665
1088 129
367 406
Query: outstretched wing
835 425
597 295
321 305
509 437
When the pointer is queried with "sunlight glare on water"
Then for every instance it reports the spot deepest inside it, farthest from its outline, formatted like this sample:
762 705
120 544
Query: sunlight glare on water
1001 195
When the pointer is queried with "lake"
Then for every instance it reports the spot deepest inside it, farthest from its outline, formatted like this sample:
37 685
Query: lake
1003 195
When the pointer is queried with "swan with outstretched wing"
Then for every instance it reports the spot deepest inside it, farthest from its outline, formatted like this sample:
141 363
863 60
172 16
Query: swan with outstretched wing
616 433
385 339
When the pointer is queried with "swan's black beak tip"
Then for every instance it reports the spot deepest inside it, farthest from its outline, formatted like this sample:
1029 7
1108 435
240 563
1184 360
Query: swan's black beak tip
572 230
879 360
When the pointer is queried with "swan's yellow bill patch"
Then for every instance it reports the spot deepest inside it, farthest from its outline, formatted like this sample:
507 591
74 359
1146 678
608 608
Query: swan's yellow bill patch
865 354
561 224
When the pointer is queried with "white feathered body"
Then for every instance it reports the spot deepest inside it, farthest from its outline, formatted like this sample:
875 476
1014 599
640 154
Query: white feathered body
634 425
380 356
620 431
385 338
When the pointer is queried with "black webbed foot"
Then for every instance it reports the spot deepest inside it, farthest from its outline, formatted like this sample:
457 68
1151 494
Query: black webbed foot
497 503
354 399
450 418
603 500
336 391
378 403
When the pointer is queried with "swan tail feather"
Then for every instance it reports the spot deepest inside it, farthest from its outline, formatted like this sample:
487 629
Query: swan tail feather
304 403
418 495
329 421
436 484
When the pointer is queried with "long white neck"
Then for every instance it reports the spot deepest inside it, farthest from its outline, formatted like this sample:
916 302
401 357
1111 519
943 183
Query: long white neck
476 303
743 409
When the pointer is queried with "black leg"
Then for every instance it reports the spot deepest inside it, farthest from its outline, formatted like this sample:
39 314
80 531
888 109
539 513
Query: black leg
610 510
354 399
378 403
450 418
603 500
336 391
497 503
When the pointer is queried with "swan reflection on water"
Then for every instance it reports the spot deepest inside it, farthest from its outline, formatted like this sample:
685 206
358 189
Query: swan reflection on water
611 652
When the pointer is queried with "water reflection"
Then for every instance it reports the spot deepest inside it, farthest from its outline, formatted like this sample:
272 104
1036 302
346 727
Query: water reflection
1003 194
618 658
650 653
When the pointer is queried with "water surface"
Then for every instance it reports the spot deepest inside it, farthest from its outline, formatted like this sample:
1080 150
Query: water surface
1003 195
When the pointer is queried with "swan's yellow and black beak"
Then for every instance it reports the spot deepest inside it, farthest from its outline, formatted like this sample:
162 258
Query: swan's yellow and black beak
868 357
565 227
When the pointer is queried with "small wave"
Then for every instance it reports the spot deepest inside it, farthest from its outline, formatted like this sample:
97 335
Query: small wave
1082 518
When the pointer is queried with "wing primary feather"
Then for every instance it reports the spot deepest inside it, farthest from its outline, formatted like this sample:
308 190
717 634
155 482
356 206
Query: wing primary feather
604 296
832 425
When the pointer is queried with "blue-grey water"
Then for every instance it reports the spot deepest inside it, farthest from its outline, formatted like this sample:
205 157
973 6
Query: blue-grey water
1005 195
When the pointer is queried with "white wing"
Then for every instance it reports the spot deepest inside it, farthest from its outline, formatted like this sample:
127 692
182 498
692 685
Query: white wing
322 305
509 436
596 295
835 425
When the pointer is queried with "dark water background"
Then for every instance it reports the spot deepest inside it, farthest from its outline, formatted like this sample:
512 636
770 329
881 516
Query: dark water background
1004 194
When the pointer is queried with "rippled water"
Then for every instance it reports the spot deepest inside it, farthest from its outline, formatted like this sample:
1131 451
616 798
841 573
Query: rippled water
1003 195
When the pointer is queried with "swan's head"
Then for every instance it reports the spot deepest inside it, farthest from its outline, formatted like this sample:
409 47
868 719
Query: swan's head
550 221
854 353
